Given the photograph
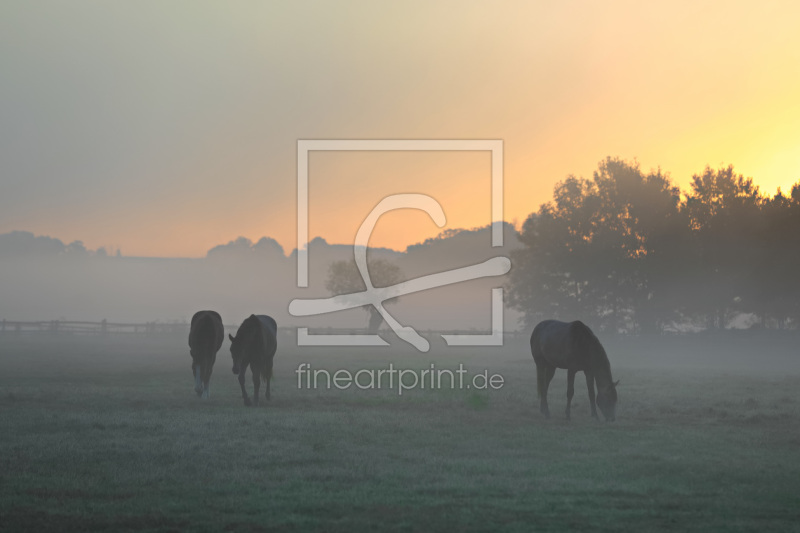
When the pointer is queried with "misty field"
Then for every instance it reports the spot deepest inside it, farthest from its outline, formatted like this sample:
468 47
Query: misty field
107 434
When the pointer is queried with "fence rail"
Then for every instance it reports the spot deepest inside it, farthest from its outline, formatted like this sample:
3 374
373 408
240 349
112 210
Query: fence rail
95 328
73 327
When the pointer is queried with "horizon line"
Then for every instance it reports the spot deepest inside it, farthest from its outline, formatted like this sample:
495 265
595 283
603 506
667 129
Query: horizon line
112 254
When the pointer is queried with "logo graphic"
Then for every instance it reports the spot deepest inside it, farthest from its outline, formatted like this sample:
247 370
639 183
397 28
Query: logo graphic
375 296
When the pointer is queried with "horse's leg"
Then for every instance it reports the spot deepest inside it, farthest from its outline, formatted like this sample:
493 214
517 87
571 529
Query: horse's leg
256 383
197 370
550 371
590 387
206 389
269 364
242 370
209 367
570 389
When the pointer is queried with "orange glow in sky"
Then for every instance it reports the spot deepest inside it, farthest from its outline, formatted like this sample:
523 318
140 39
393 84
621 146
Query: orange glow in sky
167 129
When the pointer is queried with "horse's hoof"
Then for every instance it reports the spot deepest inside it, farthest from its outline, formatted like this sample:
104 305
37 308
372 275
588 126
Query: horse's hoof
247 402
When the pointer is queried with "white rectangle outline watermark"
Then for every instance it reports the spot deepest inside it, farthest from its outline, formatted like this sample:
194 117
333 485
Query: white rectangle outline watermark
304 146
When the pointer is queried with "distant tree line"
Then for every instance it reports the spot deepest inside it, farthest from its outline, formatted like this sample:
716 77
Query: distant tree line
26 244
628 251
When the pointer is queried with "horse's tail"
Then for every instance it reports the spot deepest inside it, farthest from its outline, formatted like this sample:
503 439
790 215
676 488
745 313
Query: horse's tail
266 372
270 344
266 367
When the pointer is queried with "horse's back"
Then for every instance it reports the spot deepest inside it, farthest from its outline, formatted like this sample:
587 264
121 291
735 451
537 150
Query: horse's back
268 323
206 331
560 343
265 329
549 331
206 313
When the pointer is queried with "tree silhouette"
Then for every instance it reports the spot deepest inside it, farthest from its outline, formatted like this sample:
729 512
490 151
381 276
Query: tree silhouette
344 278
600 249
623 251
775 280
725 215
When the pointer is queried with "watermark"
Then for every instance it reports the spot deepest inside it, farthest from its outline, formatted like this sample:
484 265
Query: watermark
496 266
399 379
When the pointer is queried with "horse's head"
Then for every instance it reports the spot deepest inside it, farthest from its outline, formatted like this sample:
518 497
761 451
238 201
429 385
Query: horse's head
607 401
236 353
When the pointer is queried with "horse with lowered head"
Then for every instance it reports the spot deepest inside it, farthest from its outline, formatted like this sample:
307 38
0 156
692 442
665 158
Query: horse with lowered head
573 346
205 339
254 345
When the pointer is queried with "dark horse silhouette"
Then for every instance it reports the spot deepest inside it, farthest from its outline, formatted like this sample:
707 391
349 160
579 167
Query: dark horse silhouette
573 346
254 345
205 339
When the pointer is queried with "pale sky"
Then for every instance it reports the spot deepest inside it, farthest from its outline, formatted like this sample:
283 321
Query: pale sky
165 128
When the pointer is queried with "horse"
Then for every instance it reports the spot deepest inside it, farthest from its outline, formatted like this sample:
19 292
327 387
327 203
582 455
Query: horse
205 340
573 346
254 345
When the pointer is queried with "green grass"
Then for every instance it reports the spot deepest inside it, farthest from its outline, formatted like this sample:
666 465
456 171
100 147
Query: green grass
107 434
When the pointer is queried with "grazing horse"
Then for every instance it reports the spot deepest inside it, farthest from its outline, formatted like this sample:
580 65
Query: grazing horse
205 339
573 346
254 345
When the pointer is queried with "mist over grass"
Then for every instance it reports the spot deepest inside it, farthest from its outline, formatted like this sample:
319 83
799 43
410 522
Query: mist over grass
107 434
44 279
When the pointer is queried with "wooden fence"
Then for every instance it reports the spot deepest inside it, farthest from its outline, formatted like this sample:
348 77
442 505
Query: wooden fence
72 327
103 327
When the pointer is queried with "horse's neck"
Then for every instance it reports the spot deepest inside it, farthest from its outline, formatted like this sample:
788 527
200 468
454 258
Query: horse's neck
602 370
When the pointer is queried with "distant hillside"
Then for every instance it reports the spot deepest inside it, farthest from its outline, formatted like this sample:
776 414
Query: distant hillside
43 278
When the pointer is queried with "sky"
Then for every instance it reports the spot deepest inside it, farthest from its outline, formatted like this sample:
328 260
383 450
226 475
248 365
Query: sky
166 128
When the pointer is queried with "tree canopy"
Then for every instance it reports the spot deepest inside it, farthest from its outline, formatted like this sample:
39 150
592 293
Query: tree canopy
344 278
629 251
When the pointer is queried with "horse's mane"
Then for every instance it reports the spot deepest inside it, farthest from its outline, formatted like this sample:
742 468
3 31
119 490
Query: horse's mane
582 334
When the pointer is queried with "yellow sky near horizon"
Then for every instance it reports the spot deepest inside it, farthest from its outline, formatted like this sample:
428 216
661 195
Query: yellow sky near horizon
167 129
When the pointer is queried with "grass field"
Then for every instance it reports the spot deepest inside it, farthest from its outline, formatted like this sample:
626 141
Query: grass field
107 434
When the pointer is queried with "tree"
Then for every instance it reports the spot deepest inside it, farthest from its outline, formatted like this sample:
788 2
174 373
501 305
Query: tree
775 283
624 251
725 213
595 251
344 278
548 278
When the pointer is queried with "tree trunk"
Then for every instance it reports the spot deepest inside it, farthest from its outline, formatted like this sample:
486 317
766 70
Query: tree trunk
375 321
